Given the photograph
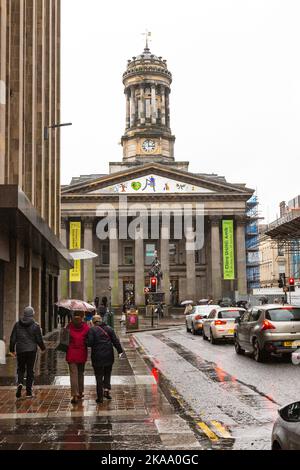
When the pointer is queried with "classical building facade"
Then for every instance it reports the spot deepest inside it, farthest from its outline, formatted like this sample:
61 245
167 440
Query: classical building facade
31 253
150 184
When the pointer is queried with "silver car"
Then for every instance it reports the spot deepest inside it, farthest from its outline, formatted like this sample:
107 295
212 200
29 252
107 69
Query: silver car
220 323
268 329
286 430
194 321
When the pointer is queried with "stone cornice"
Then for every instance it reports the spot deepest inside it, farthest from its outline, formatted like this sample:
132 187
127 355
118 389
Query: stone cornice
201 197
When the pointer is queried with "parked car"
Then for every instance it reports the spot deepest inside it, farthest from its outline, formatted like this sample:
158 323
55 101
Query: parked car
286 429
194 321
268 329
220 323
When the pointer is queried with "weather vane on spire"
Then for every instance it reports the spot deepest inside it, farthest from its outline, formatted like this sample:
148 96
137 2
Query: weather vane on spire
147 35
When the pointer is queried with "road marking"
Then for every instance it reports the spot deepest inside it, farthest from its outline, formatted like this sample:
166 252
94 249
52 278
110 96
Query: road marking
222 430
210 434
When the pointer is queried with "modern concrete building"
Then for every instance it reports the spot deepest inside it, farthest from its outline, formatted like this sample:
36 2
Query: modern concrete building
150 181
30 251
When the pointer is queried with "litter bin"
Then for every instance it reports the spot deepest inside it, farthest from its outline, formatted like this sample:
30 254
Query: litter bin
132 319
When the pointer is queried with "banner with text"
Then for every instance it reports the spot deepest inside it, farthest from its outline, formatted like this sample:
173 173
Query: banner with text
228 250
75 243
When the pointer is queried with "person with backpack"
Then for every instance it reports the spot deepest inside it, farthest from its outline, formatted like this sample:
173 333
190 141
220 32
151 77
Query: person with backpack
26 336
102 339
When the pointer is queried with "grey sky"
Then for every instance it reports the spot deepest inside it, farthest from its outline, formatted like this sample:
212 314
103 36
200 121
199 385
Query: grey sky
235 102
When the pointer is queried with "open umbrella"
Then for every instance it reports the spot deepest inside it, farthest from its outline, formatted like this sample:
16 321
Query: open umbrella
76 305
203 302
187 302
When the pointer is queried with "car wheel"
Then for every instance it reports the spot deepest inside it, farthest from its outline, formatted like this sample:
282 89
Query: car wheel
187 328
237 347
204 335
194 332
276 446
212 339
258 354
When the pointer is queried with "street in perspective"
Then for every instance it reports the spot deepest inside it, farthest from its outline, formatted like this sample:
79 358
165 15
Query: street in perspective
147 302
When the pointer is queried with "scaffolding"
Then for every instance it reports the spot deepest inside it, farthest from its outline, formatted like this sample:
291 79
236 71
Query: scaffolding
252 244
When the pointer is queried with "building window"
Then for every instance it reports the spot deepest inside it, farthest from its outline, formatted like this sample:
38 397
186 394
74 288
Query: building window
173 253
149 253
128 255
105 253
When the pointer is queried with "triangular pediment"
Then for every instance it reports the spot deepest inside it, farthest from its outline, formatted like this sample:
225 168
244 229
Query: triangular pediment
152 183
154 178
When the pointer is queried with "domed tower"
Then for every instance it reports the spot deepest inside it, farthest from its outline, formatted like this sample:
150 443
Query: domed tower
148 137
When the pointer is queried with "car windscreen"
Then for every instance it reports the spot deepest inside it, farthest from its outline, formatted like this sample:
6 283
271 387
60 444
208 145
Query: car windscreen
230 313
283 314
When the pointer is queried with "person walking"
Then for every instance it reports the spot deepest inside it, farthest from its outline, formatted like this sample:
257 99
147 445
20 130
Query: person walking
26 336
76 356
101 339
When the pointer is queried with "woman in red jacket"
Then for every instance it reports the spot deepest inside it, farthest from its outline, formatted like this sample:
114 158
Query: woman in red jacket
77 355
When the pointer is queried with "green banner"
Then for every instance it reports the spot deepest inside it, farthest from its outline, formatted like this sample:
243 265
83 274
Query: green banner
228 250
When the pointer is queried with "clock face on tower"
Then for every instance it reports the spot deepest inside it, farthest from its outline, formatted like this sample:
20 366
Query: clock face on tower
148 145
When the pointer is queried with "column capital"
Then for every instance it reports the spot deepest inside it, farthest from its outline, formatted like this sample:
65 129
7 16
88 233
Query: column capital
215 219
64 222
241 219
88 222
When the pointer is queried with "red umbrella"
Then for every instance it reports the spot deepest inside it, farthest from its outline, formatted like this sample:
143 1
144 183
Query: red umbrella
74 304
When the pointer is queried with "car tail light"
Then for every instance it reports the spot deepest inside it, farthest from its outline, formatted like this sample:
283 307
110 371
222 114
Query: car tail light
267 325
198 317
220 322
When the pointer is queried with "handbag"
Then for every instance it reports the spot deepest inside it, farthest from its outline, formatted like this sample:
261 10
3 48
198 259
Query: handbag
64 340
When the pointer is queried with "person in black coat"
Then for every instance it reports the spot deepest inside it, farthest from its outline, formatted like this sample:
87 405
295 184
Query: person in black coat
102 338
26 336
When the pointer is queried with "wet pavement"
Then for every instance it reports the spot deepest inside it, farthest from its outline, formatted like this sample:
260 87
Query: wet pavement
230 400
139 416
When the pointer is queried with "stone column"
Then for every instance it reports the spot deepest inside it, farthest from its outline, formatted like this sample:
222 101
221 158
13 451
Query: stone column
88 264
165 261
142 105
241 255
25 297
163 106
190 266
153 105
114 266
64 284
216 272
168 108
36 292
139 268
12 290
127 110
132 106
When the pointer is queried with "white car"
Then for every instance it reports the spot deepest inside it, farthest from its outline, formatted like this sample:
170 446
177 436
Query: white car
194 321
286 430
220 323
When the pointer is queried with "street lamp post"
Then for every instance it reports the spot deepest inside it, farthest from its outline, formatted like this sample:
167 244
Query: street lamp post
54 126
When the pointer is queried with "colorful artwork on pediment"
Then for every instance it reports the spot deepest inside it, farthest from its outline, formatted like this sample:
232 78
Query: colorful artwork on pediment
152 184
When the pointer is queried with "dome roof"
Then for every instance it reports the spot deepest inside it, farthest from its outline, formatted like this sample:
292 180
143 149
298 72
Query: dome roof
147 62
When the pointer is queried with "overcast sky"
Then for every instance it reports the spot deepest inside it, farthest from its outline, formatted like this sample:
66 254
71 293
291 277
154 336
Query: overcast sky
235 101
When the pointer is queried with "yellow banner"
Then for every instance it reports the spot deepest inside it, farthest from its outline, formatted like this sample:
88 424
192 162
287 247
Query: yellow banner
228 250
75 243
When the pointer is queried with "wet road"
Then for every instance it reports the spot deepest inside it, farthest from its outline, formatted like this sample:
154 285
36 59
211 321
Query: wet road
139 416
232 400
